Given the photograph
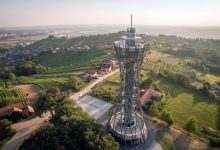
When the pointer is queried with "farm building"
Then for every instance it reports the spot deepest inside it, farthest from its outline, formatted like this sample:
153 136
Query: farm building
217 86
16 112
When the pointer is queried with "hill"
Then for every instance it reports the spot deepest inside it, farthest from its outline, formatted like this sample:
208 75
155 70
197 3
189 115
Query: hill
63 43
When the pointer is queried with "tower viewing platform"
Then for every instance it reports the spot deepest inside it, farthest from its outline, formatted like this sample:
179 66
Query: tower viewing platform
127 123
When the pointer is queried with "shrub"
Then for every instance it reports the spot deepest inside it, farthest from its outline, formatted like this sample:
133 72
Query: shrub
191 124
154 109
75 83
215 142
166 116
5 130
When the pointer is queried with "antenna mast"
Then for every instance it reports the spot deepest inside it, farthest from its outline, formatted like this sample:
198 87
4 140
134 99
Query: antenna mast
131 20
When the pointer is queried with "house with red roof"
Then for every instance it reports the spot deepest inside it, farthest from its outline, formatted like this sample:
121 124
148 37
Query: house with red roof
16 112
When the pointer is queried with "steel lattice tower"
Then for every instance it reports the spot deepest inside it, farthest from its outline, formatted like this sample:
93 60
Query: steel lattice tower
127 123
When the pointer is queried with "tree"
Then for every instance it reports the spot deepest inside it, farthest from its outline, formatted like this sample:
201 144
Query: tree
11 76
72 134
191 124
205 69
5 129
39 68
146 83
154 109
45 138
215 142
75 83
166 116
29 68
68 109
49 101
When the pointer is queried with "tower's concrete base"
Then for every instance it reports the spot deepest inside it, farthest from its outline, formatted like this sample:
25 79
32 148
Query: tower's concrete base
150 143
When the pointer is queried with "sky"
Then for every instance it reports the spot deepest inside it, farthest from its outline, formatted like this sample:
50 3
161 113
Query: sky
15 13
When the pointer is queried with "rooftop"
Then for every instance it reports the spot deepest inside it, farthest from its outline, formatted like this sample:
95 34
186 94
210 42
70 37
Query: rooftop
95 107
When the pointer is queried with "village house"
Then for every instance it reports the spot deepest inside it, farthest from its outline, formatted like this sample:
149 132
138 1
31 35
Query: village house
109 66
106 67
54 51
112 63
191 75
91 73
88 75
147 96
216 86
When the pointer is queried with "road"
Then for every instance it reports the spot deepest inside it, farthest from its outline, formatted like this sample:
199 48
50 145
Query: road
89 87
25 128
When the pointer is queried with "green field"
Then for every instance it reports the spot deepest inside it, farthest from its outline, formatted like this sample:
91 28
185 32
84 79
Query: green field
184 103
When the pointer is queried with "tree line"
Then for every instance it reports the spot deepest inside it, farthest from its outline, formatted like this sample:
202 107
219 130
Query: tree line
25 69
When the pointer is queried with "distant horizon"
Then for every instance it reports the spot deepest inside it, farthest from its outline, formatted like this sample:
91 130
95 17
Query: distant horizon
126 25
28 13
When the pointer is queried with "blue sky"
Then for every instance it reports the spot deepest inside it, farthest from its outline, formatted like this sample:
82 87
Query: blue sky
147 12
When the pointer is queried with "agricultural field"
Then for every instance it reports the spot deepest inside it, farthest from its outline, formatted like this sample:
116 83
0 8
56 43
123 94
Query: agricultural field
13 95
62 66
32 91
44 83
2 84
73 59
184 103
48 43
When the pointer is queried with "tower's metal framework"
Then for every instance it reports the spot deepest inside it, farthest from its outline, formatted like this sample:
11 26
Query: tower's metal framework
127 123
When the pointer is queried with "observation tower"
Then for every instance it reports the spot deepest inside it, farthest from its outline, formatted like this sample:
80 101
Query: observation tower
127 123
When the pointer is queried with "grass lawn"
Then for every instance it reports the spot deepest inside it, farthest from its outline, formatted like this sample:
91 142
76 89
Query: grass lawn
184 103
